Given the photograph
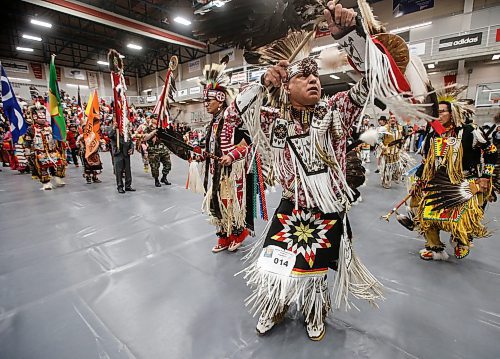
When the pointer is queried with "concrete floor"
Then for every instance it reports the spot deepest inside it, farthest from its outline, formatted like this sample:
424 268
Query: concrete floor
88 273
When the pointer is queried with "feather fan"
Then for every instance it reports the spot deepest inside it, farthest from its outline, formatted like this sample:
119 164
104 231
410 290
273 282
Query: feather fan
260 21
445 194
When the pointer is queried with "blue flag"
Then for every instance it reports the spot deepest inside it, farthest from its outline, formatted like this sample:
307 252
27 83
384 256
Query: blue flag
12 110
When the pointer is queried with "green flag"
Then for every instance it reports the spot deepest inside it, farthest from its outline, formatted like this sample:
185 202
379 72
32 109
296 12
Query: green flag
55 107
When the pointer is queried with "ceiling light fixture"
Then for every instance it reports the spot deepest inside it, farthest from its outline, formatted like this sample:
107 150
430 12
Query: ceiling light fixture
406 28
496 57
182 21
103 63
81 86
31 37
431 66
27 49
335 77
41 23
148 90
421 25
134 46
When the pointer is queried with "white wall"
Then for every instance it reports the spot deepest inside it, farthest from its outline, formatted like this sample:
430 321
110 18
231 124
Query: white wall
194 121
481 74
149 82
442 8
21 88
456 23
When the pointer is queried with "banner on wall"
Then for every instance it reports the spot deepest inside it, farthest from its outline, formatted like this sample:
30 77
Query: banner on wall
458 42
228 52
194 65
92 80
28 91
76 74
239 77
15 66
404 7
37 70
37 90
417 49
450 79
255 75
194 90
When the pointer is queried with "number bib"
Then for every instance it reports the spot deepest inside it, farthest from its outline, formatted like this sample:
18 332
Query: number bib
277 260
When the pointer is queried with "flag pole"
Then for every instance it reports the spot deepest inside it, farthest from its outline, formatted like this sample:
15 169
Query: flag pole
117 131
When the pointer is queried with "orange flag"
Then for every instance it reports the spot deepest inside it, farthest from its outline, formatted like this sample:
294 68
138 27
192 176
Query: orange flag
92 126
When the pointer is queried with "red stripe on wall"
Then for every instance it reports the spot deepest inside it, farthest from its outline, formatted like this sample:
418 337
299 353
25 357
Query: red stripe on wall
125 22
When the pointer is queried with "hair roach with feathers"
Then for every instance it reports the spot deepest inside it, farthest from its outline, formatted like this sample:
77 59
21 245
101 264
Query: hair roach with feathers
460 110
216 78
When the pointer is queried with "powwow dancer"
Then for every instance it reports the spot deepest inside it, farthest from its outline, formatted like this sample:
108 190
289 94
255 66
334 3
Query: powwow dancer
90 141
454 181
140 145
304 146
365 148
228 189
46 157
11 132
382 122
57 123
21 162
393 159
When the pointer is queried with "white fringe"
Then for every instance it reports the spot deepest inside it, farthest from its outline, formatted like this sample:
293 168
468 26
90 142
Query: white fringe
252 121
233 215
317 191
382 84
353 278
395 170
195 182
255 249
328 191
273 292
